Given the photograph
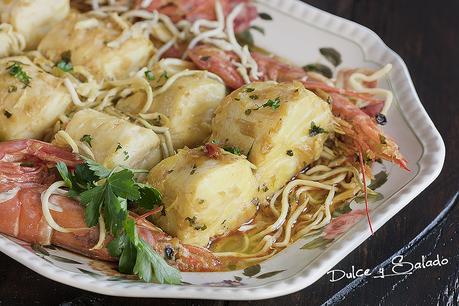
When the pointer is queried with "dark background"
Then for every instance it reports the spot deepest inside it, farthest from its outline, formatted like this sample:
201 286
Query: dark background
426 35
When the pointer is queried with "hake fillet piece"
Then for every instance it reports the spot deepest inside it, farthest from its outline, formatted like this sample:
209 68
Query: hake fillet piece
88 40
204 197
271 124
33 19
114 141
188 103
29 111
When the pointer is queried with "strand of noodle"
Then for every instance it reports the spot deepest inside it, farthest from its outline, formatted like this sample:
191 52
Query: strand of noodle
45 196
337 162
64 119
242 52
66 137
220 26
335 180
285 204
267 241
87 150
357 78
261 258
329 151
119 21
74 95
324 221
318 168
349 185
106 100
141 14
246 243
326 155
102 232
169 25
155 58
272 203
325 175
162 130
140 83
290 222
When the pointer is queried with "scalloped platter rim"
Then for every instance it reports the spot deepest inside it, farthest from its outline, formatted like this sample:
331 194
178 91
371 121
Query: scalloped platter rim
306 260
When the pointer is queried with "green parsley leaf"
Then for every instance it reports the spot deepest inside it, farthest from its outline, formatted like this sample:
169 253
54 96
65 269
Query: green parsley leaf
97 168
123 185
315 130
116 246
274 104
149 75
149 196
233 149
87 139
92 199
128 258
65 63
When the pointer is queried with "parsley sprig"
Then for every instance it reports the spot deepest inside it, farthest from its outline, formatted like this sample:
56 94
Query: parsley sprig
107 192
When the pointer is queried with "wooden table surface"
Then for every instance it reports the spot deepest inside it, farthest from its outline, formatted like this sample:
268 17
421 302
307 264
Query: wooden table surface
426 35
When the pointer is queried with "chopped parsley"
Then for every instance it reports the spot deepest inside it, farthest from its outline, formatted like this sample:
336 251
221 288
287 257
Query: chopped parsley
16 71
118 147
126 155
106 192
249 89
164 75
7 114
233 149
274 104
253 97
65 63
87 139
315 130
193 169
149 75
195 225
290 152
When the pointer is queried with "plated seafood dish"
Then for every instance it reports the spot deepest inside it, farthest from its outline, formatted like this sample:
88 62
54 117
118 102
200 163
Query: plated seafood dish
157 135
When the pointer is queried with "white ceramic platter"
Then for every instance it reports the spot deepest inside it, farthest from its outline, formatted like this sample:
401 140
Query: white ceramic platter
296 32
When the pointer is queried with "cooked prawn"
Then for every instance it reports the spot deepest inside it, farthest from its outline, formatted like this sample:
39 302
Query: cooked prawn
27 170
192 10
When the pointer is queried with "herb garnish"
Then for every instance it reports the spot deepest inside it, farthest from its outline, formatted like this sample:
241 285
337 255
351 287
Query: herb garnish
106 192
7 114
126 155
149 75
253 97
164 75
290 152
233 149
118 147
249 89
87 139
65 63
274 104
315 130
16 70
195 225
